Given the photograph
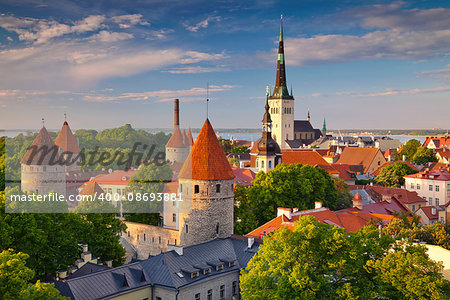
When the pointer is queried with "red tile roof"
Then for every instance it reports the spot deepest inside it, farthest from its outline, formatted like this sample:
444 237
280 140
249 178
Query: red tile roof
358 156
443 153
66 140
442 174
189 140
171 187
243 176
405 196
176 140
304 157
345 171
377 171
206 161
91 188
427 211
439 142
382 207
43 143
389 152
118 177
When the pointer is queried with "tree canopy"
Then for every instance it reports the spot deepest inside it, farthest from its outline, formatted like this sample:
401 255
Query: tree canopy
288 186
415 153
321 261
392 175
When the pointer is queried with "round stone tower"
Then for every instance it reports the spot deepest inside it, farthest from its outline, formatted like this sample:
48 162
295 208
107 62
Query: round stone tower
68 144
176 150
41 171
206 185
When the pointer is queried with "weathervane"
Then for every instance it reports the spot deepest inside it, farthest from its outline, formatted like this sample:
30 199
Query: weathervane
65 116
207 99
43 122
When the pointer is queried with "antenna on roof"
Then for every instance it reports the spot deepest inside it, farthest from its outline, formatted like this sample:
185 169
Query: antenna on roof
207 99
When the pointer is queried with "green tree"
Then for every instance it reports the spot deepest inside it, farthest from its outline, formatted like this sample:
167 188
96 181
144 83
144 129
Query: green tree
226 145
239 149
320 261
392 175
15 277
285 186
149 180
409 150
424 155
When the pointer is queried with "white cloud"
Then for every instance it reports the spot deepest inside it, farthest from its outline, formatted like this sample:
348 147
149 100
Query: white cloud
110 37
193 94
202 24
127 21
195 70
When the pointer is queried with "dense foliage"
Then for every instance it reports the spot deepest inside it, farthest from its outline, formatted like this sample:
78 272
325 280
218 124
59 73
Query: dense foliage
321 261
15 277
392 175
285 186
415 153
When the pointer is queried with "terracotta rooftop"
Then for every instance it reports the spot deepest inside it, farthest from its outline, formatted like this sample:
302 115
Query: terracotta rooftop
43 143
405 196
345 171
171 187
176 140
427 210
206 161
442 174
304 157
358 156
444 153
66 140
377 171
189 140
118 177
243 176
382 208
91 188
439 142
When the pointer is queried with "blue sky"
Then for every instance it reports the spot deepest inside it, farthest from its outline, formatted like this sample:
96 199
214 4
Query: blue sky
360 64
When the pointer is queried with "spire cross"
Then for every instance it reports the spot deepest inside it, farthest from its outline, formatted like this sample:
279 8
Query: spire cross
43 122
65 116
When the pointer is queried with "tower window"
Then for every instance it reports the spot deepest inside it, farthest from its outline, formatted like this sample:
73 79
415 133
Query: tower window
262 164
181 188
270 164
187 228
217 228
160 240
174 218
196 189
217 188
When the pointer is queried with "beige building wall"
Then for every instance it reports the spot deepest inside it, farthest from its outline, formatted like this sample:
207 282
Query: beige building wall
377 162
429 189
282 115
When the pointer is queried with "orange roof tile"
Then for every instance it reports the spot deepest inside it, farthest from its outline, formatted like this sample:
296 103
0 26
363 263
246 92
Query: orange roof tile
176 140
427 210
407 197
206 161
304 157
43 143
189 140
66 140
91 188
118 177
243 176
345 171
358 156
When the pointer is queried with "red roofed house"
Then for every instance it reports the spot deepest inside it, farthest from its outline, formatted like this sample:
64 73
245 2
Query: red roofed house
370 158
432 185
437 142
410 199
115 182
243 176
308 157
432 214
443 156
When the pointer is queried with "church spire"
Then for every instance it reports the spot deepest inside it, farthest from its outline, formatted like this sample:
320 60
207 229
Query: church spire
324 128
281 90
308 117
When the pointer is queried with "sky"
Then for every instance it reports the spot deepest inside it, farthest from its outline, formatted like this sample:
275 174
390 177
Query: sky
359 64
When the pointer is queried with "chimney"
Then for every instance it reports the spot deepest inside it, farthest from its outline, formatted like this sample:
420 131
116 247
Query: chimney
380 230
176 121
177 248
317 204
85 247
109 263
389 157
433 211
284 211
250 242
404 157
62 274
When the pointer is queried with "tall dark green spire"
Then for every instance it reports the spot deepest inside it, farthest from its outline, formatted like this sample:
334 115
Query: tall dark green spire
281 90
324 128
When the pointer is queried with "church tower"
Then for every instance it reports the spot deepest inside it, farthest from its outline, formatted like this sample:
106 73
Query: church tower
266 150
281 103
41 171
206 185
176 150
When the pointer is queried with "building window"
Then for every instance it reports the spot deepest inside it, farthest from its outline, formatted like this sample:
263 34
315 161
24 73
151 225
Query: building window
196 189
437 201
144 237
174 218
207 271
430 201
270 164
197 296
413 208
217 228
437 188
234 288
128 234
187 228
160 240
418 186
262 164
420 205
181 188
209 295
379 163
44 168
219 267
217 188
412 186
222 291
430 187
137 237
175 241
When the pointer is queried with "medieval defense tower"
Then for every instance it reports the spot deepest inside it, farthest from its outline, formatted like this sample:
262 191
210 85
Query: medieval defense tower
176 149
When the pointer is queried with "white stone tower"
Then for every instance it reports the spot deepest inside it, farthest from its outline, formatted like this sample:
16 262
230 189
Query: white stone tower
41 171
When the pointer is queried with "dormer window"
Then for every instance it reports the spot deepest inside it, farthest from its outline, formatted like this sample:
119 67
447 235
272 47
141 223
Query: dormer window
219 267
232 263
206 271
195 274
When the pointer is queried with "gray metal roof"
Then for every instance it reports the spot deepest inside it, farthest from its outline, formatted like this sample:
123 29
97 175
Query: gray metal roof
161 270
302 126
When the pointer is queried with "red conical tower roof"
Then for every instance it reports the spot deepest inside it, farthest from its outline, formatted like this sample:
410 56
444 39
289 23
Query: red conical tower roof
66 140
183 134
189 140
41 145
206 161
176 140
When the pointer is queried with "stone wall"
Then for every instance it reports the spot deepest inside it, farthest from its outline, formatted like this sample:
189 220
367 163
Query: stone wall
43 179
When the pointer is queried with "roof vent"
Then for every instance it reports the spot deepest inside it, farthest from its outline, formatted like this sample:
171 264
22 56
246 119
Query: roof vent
250 242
